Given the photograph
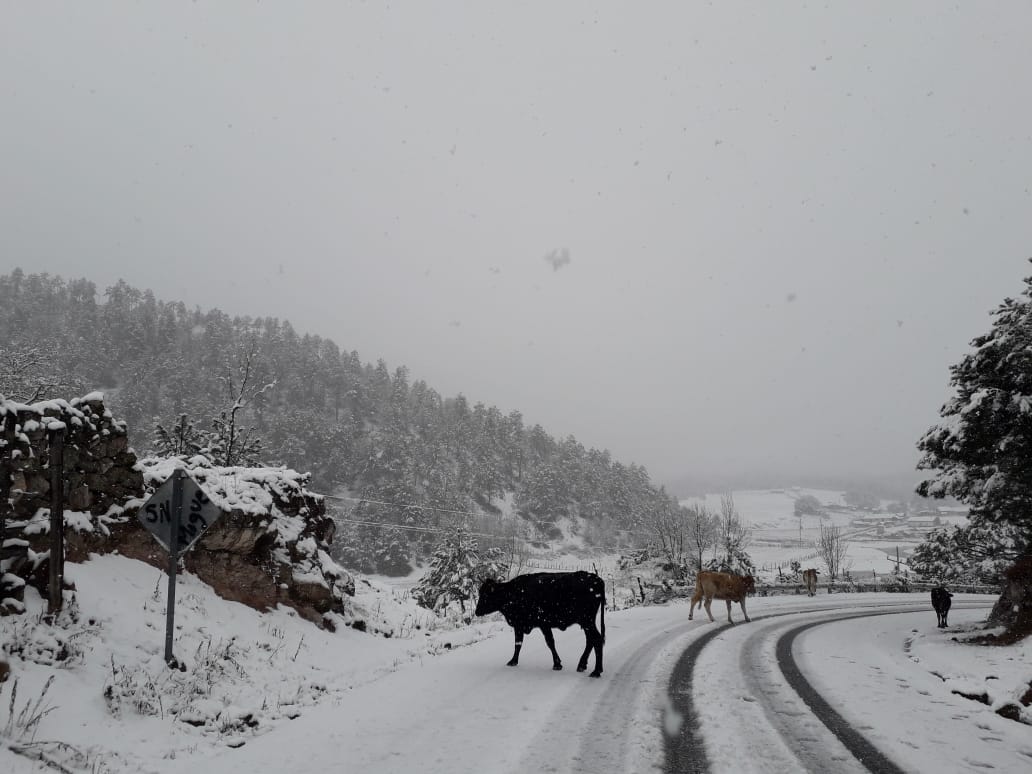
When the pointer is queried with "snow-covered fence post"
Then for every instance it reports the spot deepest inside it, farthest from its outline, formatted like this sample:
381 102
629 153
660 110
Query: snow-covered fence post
57 438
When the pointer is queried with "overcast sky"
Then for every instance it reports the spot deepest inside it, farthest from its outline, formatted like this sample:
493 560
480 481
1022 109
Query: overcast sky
708 237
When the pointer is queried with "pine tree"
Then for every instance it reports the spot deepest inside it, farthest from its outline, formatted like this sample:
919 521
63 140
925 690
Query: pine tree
981 451
180 440
456 571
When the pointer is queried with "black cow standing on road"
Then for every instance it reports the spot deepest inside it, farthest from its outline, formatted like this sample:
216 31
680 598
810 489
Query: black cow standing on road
547 600
941 602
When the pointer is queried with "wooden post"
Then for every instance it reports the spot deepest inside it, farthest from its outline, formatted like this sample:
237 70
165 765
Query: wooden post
57 438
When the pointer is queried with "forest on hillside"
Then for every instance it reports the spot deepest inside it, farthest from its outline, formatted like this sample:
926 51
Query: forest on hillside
409 463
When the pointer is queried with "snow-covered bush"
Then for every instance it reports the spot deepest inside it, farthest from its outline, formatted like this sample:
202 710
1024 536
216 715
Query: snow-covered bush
58 641
456 571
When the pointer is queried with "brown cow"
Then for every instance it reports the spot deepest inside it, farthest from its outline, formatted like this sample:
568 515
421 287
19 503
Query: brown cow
721 585
810 581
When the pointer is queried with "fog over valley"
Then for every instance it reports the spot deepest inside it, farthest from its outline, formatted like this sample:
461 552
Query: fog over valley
724 242
512 387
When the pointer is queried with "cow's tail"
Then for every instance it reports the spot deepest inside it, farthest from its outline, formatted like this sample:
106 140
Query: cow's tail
602 613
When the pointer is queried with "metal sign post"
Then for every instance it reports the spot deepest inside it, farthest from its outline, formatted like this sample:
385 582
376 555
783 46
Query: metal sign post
173 563
177 532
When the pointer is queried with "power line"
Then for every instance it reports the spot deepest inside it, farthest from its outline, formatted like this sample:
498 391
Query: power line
411 528
406 506
412 506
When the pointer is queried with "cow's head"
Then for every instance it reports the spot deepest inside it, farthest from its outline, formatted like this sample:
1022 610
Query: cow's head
490 599
749 583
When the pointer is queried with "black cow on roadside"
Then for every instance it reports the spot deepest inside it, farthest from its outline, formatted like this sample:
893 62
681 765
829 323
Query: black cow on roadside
547 600
941 602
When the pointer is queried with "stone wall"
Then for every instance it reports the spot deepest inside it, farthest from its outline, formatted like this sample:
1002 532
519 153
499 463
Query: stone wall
100 474
100 468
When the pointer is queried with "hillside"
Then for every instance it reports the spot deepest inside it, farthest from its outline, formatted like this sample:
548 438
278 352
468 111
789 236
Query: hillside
404 462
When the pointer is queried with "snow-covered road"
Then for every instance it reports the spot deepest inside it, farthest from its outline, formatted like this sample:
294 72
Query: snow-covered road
270 693
464 711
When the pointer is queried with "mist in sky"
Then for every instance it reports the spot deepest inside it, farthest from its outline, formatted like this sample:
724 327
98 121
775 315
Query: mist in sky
714 239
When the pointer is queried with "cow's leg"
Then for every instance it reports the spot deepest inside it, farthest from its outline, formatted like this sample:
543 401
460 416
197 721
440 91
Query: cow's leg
729 611
516 653
595 641
744 614
706 604
550 641
590 633
696 599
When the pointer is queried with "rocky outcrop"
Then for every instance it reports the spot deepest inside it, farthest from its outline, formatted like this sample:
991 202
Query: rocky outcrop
270 546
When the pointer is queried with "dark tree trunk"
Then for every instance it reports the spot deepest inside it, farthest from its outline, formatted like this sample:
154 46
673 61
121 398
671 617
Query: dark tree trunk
1013 610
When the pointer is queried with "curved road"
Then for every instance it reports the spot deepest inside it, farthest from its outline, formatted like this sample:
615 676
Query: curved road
665 678
790 726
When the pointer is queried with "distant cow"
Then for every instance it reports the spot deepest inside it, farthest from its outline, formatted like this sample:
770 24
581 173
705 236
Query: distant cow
721 585
547 600
810 581
941 602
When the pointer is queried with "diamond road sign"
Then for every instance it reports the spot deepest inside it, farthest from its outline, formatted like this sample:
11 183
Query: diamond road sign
198 514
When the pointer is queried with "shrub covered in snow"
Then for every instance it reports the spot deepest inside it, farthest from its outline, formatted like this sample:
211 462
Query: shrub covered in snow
456 571
61 640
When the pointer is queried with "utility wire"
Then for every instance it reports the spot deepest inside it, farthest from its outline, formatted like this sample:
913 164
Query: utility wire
439 530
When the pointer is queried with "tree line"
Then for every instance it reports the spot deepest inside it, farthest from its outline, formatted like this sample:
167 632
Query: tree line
253 391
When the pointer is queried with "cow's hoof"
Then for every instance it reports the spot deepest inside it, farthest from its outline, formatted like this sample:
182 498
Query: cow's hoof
582 667
557 667
511 663
596 673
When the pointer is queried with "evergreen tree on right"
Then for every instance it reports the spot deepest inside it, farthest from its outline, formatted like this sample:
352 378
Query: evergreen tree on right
982 455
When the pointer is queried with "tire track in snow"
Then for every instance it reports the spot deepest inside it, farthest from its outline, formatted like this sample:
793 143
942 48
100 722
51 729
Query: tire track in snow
594 735
858 745
685 746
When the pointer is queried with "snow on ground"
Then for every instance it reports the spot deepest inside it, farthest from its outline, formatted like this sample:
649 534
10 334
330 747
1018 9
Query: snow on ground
877 671
247 673
271 693
899 678
770 508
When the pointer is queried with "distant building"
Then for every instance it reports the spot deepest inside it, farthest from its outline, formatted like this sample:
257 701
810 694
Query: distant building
924 522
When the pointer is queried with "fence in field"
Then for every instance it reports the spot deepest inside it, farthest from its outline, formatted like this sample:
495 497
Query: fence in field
888 583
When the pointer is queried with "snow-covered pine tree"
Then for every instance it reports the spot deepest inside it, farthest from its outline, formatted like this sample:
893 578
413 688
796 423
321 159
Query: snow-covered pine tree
981 451
456 571
181 439
975 553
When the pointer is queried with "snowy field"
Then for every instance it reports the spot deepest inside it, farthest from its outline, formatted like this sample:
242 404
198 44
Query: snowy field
270 693
777 539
